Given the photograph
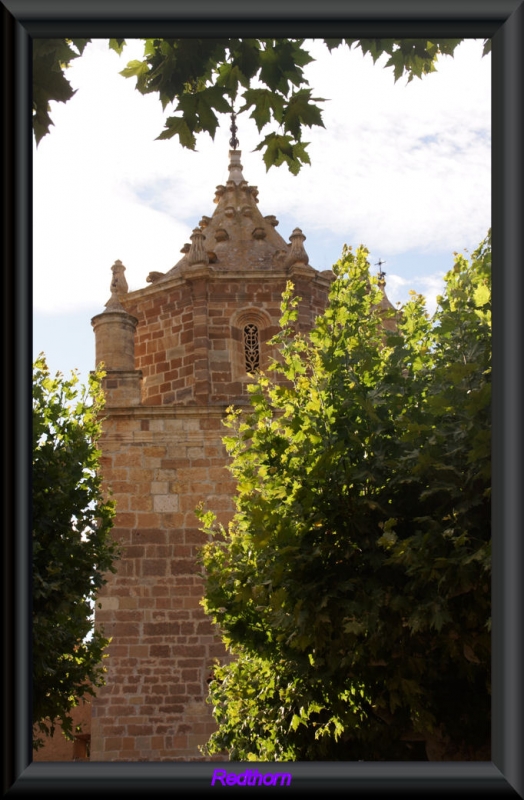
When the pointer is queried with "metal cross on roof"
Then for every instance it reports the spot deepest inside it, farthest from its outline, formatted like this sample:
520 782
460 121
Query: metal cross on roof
381 273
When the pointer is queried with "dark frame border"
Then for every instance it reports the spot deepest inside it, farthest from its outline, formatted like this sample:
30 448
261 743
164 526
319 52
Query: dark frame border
503 21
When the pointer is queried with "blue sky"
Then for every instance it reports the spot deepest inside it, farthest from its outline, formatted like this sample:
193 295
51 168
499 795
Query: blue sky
402 168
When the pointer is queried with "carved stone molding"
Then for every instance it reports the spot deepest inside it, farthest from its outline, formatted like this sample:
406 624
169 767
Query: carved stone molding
197 252
297 252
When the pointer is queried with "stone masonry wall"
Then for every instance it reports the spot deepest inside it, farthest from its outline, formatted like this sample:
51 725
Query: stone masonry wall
159 466
185 339
163 456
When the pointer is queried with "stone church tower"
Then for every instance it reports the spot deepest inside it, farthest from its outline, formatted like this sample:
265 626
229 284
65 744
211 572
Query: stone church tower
177 353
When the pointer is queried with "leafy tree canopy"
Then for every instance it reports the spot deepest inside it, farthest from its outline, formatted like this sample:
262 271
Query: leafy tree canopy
72 545
203 78
353 583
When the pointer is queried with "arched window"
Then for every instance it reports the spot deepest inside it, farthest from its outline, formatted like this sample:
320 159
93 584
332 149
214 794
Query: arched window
251 348
251 328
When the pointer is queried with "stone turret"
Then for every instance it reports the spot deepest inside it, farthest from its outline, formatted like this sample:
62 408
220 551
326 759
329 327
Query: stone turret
115 344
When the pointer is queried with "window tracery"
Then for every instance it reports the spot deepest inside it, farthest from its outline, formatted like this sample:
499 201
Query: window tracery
251 348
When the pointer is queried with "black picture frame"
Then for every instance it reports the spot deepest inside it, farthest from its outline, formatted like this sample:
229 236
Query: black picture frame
501 20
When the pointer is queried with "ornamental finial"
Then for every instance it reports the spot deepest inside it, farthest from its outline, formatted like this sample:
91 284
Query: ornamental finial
234 140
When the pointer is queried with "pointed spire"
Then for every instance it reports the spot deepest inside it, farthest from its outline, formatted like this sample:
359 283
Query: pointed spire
238 237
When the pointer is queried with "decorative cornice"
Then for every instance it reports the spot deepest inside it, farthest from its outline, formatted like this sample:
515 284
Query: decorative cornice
193 271
114 314
169 412
185 271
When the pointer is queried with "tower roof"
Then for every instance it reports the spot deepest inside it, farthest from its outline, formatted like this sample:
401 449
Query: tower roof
237 235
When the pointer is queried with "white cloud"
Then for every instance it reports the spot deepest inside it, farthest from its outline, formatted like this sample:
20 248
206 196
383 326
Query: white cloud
398 167
398 289
375 170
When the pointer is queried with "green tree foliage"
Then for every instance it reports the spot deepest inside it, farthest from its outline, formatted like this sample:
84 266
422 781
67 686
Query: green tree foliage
353 583
50 58
205 77
72 545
